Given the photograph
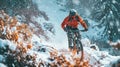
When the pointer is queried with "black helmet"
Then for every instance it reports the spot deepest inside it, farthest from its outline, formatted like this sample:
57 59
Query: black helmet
72 12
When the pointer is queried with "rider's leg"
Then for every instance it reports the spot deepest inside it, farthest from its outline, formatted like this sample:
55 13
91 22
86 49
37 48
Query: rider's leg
78 35
69 34
79 38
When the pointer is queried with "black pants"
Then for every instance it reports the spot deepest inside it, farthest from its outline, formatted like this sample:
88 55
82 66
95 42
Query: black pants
70 34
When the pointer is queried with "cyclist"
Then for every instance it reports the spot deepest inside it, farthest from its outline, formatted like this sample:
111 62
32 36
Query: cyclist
71 22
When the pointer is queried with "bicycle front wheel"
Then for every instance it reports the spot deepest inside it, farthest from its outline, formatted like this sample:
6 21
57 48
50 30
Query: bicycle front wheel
80 49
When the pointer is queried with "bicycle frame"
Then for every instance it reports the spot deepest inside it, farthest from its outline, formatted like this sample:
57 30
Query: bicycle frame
76 41
76 37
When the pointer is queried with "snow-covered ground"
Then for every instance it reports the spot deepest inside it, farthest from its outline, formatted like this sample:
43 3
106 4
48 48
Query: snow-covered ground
95 57
41 49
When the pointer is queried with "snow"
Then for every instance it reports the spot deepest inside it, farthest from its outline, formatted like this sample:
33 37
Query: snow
102 56
76 2
39 55
119 29
117 23
2 65
56 17
109 31
118 41
114 43
13 29
20 18
87 12
4 43
111 24
1 58
59 40
4 32
93 55
113 1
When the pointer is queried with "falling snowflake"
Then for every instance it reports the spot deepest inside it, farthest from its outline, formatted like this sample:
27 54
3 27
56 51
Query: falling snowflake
76 2
119 29
113 1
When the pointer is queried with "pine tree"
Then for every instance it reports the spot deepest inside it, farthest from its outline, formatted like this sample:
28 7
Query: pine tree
107 13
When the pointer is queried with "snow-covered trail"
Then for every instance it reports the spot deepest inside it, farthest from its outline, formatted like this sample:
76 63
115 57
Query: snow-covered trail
95 57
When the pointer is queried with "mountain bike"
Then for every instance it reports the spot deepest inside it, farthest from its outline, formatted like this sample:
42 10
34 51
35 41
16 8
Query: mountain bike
76 42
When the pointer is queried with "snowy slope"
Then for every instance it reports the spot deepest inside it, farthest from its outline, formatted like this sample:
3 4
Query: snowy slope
56 17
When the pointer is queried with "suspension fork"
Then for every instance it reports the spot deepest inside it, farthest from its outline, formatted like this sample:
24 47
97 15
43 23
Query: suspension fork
77 41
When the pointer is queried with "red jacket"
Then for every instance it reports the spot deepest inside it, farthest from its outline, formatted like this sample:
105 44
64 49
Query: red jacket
73 22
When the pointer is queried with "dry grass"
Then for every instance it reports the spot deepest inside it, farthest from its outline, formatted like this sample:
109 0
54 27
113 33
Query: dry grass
12 30
61 60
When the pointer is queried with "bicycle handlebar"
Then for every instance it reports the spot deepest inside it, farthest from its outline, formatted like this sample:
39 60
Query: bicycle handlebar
82 30
78 30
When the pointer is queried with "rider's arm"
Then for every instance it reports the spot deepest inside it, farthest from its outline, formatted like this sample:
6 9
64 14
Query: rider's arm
82 22
64 22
